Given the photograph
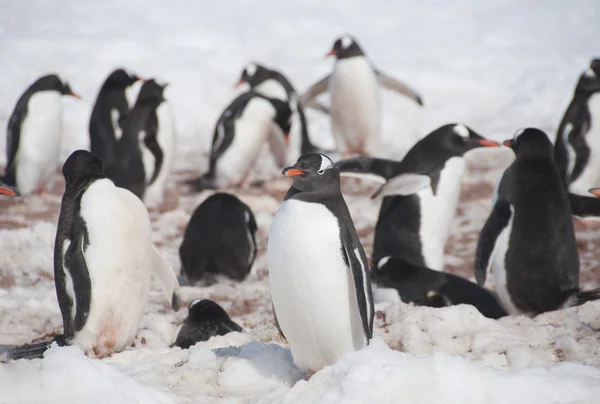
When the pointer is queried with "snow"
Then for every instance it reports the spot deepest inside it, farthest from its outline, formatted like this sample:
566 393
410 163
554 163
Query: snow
495 66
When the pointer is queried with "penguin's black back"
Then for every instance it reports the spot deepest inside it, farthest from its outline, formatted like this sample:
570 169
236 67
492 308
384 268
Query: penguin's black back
220 238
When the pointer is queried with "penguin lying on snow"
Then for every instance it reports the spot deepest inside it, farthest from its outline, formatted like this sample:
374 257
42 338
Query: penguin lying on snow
426 287
577 147
415 226
108 116
104 260
34 134
8 190
206 319
239 136
528 241
272 83
220 238
318 271
354 87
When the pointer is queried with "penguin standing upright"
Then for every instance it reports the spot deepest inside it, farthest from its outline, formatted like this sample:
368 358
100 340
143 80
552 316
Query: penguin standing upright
528 241
415 225
104 260
239 135
220 238
34 134
109 114
354 88
577 146
318 271
272 83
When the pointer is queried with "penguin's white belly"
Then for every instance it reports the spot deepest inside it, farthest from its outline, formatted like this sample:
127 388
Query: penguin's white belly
154 194
40 140
355 117
119 259
438 212
311 286
590 177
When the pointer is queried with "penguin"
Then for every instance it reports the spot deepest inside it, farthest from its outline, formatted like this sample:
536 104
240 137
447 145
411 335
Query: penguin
426 287
220 238
318 271
206 319
109 114
354 88
33 135
528 240
415 222
104 260
8 190
139 157
239 135
274 84
577 146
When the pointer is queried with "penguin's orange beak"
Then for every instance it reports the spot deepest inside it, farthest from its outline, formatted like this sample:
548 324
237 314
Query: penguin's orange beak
595 191
331 53
138 78
508 143
239 83
292 172
287 138
73 94
488 143
8 190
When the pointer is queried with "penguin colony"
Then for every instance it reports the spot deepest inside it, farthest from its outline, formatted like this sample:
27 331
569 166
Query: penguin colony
320 276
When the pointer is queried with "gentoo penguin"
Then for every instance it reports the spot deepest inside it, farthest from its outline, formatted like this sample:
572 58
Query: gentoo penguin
318 270
104 260
354 88
426 287
220 238
239 135
136 168
577 146
109 114
206 319
528 241
33 135
8 190
415 226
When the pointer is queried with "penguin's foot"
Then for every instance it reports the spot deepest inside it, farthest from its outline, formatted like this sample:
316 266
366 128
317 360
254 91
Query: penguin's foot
202 183
309 374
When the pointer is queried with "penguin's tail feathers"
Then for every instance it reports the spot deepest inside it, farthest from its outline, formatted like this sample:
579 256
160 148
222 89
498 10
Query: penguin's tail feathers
587 296
35 350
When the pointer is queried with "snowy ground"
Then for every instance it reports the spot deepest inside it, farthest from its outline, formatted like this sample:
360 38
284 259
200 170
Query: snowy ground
496 66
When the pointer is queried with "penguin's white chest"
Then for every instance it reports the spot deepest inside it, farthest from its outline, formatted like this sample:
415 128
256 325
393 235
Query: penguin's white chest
273 89
311 286
40 140
354 90
590 176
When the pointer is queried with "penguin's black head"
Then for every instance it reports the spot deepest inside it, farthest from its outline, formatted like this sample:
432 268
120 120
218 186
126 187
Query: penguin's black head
530 142
314 172
345 47
8 190
283 116
254 74
52 82
589 81
201 309
120 78
151 93
82 165
595 67
459 139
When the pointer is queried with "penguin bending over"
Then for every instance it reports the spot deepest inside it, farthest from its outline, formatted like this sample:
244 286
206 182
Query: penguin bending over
220 238
206 319
318 272
34 134
239 135
414 222
108 116
577 146
104 260
354 88
528 241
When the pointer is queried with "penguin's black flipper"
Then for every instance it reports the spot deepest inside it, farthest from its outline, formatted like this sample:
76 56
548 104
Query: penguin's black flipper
494 225
398 86
36 350
151 142
376 169
584 206
587 296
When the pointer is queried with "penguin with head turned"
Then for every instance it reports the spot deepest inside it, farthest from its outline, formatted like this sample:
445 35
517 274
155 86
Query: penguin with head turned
577 146
528 241
240 133
318 270
109 114
354 90
34 134
421 193
104 260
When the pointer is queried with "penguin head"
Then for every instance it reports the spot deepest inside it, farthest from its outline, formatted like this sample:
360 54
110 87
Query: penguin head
595 192
595 67
344 47
151 93
530 142
121 78
457 139
254 74
283 116
82 165
8 190
52 82
314 172
589 81
201 309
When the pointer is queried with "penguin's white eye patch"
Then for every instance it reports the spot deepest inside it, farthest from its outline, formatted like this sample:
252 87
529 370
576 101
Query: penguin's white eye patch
251 69
589 73
462 131
346 42
325 163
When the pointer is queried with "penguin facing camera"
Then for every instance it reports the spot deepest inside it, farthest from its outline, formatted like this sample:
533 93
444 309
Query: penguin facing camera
220 238
205 319
318 270
34 135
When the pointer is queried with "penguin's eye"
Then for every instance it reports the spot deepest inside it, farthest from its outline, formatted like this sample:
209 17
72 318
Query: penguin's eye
321 172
